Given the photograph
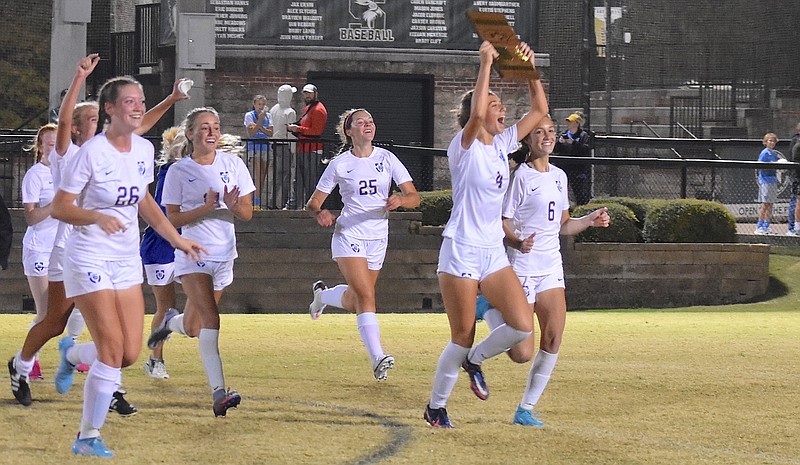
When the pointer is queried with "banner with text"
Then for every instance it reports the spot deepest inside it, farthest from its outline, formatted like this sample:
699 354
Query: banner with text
437 24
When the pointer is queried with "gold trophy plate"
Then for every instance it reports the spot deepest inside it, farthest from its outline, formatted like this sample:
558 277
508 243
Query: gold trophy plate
512 63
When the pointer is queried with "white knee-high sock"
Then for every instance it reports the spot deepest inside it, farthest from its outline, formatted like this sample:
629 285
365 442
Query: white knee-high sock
176 325
98 391
370 334
212 362
75 323
446 375
85 352
497 342
23 367
333 296
493 318
543 365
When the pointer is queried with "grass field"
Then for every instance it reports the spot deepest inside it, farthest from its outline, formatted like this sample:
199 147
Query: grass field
700 385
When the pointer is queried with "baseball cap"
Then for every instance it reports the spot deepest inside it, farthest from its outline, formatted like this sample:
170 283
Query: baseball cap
286 87
574 117
309 88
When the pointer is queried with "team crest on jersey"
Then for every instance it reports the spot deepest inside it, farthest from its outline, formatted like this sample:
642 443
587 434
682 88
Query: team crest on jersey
140 164
160 274
558 185
38 266
201 264
225 176
379 166
94 278
355 247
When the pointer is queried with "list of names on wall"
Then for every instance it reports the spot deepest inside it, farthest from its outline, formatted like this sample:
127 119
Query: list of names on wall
231 21
428 24
302 21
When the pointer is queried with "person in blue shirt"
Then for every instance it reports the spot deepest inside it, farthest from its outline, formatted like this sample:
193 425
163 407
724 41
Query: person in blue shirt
258 123
767 184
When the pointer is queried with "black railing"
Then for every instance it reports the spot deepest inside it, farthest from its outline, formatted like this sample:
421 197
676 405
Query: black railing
147 34
123 56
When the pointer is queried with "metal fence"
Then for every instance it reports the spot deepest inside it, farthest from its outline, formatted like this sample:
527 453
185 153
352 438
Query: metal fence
723 171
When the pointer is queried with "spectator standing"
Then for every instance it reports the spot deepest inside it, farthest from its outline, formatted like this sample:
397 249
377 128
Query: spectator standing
767 184
311 126
258 123
577 142
794 215
282 115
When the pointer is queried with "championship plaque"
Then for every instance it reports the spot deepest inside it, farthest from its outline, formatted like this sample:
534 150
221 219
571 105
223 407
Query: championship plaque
512 63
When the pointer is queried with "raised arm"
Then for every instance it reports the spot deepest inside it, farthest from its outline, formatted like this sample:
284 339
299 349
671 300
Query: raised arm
64 132
480 98
154 114
539 107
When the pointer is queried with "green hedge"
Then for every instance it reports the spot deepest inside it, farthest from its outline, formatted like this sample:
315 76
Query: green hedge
632 220
689 220
623 227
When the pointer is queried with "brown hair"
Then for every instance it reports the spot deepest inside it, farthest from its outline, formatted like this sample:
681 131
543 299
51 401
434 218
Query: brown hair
108 94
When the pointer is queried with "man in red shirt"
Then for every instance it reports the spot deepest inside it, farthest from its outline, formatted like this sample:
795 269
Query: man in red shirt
311 126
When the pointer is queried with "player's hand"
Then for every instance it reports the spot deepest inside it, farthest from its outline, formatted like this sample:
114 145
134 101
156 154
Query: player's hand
488 52
393 202
526 51
211 200
176 94
86 65
600 218
526 244
109 224
190 247
325 218
231 197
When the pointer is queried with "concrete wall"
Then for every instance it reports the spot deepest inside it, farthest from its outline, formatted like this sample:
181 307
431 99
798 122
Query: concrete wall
281 253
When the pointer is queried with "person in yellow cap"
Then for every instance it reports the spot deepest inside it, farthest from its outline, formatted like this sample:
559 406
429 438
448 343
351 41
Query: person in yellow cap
577 142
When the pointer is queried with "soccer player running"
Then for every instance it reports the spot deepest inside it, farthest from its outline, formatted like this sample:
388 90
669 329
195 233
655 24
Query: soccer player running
535 212
364 174
102 268
472 255
204 193
77 123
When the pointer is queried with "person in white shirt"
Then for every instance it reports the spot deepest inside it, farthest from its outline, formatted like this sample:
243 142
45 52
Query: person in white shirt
472 255
37 195
535 213
109 178
77 124
204 193
364 174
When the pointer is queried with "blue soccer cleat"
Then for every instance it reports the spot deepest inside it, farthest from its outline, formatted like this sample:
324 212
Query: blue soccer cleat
527 418
481 305
91 447
437 417
476 381
230 399
65 372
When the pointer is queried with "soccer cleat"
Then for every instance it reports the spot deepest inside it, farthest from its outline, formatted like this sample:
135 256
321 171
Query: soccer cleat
381 369
160 334
527 418
92 447
231 399
437 417
156 369
19 385
481 305
82 368
476 381
120 405
36 372
65 371
316 307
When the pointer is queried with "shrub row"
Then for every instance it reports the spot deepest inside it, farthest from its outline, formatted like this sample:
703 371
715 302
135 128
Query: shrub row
632 220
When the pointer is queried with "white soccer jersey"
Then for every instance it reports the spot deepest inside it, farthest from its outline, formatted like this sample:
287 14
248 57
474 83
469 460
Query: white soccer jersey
187 184
535 203
57 164
364 184
37 187
112 183
479 176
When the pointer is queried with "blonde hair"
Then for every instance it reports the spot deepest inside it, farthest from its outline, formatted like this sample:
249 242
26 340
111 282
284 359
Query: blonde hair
80 108
173 143
769 135
34 145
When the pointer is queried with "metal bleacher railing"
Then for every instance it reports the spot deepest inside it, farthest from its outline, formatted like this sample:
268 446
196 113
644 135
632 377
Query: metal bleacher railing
711 169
